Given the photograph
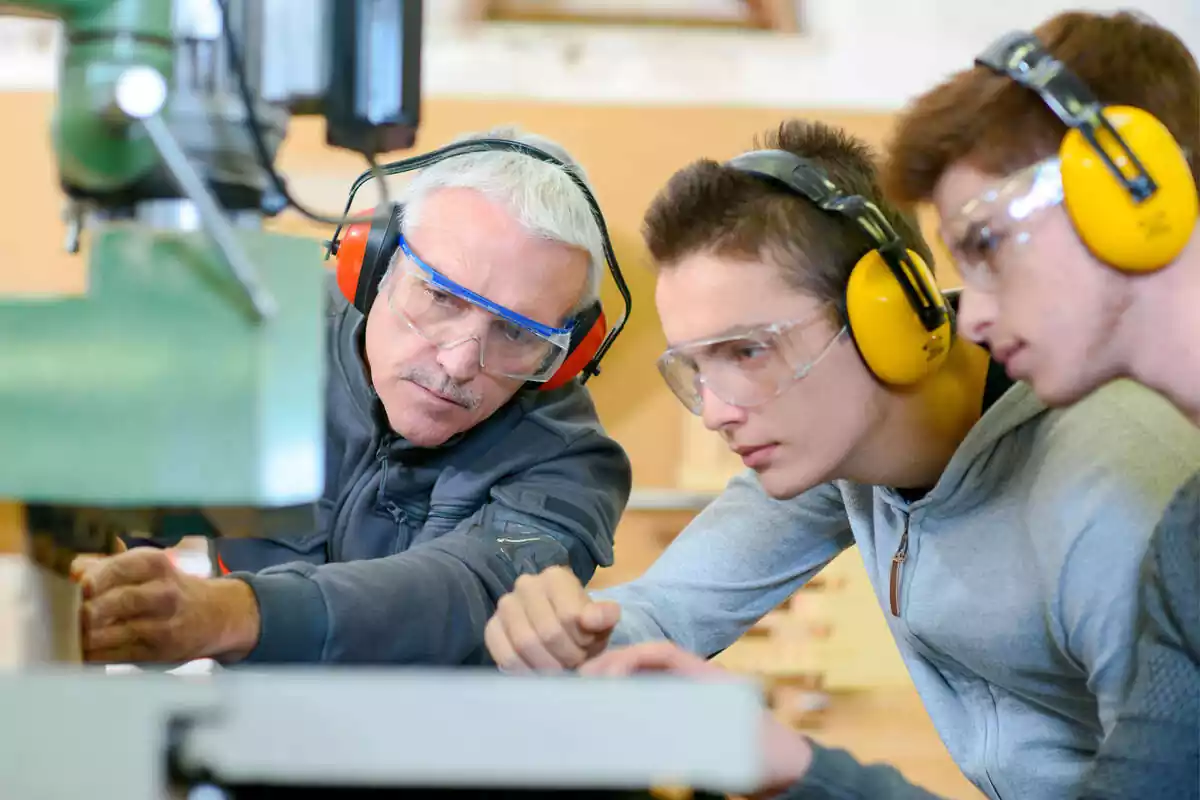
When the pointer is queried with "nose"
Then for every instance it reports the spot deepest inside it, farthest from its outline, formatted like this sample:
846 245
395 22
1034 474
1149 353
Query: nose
461 360
716 413
976 314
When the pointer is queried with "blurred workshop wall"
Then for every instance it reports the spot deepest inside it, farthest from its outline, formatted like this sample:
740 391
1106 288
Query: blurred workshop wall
629 152
634 89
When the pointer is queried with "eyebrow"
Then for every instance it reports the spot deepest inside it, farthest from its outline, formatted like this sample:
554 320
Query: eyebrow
445 282
729 332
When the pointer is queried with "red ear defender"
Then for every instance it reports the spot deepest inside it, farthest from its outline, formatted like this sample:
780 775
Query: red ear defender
351 249
583 350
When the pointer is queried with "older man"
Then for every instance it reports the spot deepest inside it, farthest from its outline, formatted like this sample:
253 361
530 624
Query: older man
449 469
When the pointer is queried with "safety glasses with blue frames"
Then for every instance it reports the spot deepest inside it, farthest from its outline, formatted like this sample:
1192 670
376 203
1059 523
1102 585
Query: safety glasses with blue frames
449 315
750 367
987 230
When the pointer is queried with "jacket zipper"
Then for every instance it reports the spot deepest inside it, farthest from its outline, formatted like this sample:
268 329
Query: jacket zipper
897 564
333 547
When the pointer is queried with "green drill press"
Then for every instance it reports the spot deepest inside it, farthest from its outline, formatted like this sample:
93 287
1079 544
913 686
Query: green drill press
183 393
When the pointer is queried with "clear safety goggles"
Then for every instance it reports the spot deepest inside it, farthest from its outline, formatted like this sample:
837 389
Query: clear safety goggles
748 368
449 315
987 229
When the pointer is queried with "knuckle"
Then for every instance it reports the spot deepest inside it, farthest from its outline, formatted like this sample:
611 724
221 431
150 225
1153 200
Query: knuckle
568 619
128 603
526 643
168 600
527 583
507 605
552 635
560 643
149 635
159 561
561 574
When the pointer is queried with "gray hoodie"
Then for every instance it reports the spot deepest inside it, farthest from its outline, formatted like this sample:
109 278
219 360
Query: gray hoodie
1015 593
413 546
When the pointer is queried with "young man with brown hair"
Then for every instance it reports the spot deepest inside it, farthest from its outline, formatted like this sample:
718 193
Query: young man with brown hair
1069 305
1003 539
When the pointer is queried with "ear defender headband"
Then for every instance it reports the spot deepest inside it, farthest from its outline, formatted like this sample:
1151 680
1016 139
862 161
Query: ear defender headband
897 316
1127 185
364 250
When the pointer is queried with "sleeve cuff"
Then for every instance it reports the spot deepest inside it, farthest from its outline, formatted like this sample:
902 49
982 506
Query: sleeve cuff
826 778
293 619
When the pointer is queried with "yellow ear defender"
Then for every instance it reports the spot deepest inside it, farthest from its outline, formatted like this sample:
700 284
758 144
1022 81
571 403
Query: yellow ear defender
897 316
1126 182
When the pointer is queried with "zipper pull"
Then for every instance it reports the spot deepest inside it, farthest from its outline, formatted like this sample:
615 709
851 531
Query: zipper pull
897 562
395 512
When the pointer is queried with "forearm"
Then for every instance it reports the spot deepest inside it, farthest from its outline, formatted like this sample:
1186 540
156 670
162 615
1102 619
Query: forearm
428 606
638 622
739 559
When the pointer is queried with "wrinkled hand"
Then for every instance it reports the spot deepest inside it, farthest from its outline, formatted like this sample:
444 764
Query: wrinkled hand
137 607
548 623
786 752
85 561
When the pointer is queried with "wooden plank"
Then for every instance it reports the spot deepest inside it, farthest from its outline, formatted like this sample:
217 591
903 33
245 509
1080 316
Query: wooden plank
39 604
730 15
13 531
39 614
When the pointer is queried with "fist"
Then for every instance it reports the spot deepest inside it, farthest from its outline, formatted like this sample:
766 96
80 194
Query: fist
548 623
85 561
137 607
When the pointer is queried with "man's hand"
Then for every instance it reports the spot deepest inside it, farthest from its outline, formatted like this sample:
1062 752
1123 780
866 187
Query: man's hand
786 753
548 623
85 561
137 607
655 657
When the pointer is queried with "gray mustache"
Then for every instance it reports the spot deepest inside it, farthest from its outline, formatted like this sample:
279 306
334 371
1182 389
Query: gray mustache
443 385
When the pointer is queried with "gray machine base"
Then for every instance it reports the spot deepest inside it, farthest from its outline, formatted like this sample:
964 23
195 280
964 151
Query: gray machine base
77 733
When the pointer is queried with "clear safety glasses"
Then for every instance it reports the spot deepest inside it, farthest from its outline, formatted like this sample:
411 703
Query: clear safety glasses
449 315
750 367
985 231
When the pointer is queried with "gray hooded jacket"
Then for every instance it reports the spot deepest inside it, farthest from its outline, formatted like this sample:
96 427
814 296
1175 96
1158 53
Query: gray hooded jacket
413 546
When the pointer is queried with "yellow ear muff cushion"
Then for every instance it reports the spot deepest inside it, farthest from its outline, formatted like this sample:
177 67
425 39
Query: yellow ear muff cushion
889 334
1131 236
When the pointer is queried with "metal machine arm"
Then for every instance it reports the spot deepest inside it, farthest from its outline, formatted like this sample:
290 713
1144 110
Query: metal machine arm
186 388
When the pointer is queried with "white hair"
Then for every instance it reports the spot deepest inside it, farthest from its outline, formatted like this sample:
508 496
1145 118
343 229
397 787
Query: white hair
541 196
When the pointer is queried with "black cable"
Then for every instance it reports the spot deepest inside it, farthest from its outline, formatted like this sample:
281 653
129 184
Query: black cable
410 164
238 64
